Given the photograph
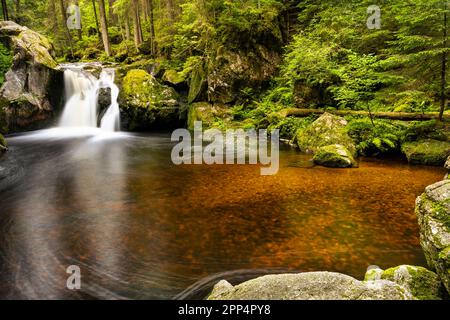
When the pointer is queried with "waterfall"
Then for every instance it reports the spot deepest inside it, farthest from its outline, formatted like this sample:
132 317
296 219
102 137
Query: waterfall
82 91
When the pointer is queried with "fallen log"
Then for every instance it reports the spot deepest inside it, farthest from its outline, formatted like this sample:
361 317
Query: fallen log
405 116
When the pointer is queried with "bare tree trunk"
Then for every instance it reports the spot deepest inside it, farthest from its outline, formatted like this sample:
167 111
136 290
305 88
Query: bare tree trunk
96 19
5 10
64 23
137 25
80 33
444 72
104 27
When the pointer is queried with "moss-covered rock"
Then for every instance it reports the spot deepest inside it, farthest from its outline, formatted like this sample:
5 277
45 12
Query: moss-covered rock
327 130
173 77
310 286
3 144
433 212
447 163
421 282
33 88
334 156
211 115
146 104
427 152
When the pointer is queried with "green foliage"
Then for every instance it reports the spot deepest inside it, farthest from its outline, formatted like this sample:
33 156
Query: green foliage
382 136
5 61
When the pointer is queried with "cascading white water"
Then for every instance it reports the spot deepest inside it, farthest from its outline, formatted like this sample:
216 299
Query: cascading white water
82 91
111 119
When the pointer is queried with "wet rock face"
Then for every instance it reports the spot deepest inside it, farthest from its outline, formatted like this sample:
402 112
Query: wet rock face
33 89
3 145
433 212
310 286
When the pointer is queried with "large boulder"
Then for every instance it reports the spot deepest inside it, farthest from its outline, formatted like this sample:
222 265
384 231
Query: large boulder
147 104
232 71
211 115
334 156
33 89
427 152
433 212
421 282
310 286
327 130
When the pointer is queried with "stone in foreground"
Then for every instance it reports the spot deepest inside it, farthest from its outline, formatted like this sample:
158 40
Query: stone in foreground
427 152
335 156
327 130
310 286
421 282
433 212
33 90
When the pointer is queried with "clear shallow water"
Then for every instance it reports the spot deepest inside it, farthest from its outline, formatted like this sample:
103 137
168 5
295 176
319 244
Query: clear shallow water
140 227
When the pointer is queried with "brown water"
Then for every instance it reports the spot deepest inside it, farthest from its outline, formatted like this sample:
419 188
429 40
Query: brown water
140 227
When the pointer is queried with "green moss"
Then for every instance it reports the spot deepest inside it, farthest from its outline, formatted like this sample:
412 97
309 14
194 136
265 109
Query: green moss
422 283
3 143
326 130
335 156
196 83
173 77
427 152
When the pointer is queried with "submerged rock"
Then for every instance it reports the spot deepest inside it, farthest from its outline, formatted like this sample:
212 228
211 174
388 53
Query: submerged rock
433 212
334 156
33 87
310 286
209 114
146 104
421 282
427 152
327 130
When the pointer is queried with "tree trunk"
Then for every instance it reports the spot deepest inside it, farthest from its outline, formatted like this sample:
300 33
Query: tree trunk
406 116
444 72
137 25
5 10
113 19
80 31
55 25
152 27
64 23
104 27
127 27
96 19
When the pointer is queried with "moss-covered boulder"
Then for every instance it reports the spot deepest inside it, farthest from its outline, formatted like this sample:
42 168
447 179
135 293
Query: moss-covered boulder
147 104
334 156
327 130
211 115
427 152
310 286
33 88
447 163
3 144
433 212
421 282
173 77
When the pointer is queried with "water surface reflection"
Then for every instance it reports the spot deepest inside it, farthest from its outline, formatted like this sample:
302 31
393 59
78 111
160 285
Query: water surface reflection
140 227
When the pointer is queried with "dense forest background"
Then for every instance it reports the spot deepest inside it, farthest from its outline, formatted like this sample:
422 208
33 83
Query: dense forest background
301 54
